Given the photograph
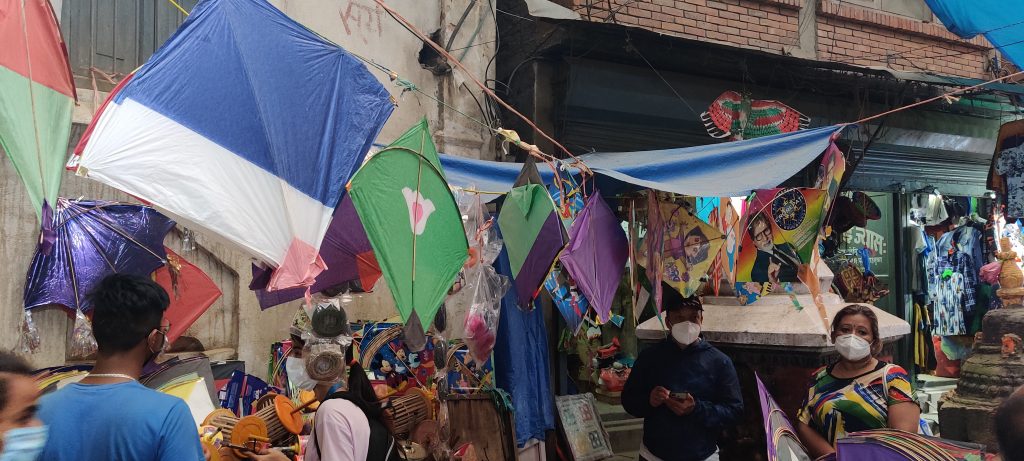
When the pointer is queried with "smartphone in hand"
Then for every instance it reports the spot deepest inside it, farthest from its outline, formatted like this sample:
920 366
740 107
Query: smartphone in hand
680 395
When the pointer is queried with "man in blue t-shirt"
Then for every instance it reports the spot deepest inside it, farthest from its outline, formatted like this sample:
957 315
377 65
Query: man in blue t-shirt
109 415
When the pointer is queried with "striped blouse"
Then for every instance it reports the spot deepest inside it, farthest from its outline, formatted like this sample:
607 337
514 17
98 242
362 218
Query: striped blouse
835 407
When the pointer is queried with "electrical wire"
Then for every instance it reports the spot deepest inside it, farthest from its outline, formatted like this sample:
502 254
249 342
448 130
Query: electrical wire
533 150
936 98
629 42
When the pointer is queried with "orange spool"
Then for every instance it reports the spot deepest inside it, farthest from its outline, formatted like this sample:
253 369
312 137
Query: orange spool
283 422
237 431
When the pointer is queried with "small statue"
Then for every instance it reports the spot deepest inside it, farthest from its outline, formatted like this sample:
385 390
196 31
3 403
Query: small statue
1010 276
1011 345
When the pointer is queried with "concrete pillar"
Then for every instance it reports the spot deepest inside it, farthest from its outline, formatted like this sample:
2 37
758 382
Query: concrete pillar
807 31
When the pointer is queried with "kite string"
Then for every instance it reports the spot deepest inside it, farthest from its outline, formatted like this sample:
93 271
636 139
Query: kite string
407 85
440 50
947 96
176 5
32 101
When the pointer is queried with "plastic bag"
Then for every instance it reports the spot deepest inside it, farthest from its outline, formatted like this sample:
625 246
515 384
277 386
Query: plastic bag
325 358
412 334
330 320
989 273
83 343
482 320
29 334
486 286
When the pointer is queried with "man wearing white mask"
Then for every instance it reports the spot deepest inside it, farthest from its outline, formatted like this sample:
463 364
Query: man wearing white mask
685 389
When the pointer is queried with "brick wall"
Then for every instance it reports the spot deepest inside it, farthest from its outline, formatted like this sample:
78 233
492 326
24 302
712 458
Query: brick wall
768 25
865 37
845 33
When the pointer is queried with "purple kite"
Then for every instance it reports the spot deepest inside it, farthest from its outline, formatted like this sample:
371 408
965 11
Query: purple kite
596 254
347 252
533 234
95 239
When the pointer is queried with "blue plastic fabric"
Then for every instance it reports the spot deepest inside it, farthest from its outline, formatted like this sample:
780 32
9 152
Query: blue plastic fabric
245 76
1000 21
730 169
521 363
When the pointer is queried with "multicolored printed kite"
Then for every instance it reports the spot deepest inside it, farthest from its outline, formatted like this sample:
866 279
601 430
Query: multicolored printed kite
779 238
37 95
689 248
412 221
596 254
245 125
533 235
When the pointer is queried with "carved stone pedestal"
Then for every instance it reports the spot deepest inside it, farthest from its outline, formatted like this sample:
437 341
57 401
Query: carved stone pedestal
988 376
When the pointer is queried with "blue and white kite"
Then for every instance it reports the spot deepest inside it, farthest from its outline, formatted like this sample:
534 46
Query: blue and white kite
245 125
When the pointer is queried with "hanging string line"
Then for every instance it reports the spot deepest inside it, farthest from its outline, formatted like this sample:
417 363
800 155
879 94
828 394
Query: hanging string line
440 50
945 96
176 5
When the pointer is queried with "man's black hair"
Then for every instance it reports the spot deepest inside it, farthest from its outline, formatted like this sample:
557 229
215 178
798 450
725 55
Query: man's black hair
758 217
126 309
14 365
672 300
1009 424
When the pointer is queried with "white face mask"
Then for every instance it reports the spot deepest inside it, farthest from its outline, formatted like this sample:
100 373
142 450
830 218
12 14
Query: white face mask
296 369
853 347
685 333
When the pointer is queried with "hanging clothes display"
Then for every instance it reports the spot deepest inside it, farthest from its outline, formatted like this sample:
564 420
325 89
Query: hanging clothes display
924 350
955 280
967 240
927 209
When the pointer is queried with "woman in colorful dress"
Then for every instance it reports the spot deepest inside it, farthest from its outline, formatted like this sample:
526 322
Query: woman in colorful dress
859 392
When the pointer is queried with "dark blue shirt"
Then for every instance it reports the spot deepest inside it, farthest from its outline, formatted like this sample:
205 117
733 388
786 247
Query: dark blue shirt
703 371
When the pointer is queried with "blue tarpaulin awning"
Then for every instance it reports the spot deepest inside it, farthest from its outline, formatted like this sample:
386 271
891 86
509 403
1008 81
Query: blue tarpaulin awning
730 169
1001 22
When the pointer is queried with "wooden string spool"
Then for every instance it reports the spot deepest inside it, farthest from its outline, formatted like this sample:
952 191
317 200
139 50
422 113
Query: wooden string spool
282 418
409 410
238 431
377 343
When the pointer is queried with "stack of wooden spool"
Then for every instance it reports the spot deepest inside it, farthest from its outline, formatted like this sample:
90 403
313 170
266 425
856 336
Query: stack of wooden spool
282 418
238 431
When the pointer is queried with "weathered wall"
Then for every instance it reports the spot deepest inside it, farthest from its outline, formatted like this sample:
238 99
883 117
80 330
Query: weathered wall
837 31
236 320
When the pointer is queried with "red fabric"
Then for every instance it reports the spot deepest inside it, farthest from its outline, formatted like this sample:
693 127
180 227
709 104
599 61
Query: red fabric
945 367
45 46
195 294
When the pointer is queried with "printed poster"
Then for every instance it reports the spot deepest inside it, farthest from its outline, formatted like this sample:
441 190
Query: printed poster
780 234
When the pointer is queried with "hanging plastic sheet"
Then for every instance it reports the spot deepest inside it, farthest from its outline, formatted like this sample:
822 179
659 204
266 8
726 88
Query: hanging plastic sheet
521 364
730 169
1001 24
